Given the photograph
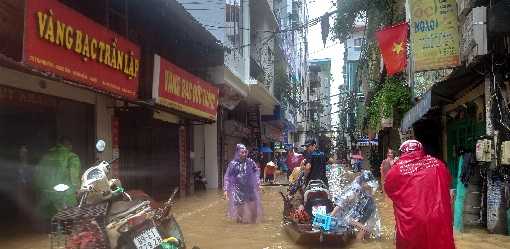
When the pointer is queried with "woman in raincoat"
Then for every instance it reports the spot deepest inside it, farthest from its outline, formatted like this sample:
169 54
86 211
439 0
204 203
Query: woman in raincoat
242 188
418 184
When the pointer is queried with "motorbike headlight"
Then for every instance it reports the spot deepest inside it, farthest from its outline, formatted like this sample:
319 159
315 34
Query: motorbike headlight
94 174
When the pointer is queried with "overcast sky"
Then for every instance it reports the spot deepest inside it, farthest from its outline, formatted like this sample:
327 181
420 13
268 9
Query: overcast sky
333 49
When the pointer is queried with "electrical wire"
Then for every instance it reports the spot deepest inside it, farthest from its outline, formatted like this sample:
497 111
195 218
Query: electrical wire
328 47
320 131
496 98
283 29
327 97
322 116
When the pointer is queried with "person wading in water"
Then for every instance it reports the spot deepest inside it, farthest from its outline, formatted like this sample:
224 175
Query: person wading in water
242 188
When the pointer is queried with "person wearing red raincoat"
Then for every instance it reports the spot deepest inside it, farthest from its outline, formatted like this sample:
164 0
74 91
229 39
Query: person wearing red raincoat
418 184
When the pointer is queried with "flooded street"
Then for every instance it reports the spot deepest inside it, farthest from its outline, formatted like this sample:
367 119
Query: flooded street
202 219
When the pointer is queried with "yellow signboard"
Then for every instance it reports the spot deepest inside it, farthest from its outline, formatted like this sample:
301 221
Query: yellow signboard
434 34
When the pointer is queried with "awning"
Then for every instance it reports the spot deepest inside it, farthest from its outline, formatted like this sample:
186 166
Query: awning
439 94
418 111
232 88
265 149
259 95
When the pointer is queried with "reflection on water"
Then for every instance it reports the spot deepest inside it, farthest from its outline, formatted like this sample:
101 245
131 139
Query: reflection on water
202 218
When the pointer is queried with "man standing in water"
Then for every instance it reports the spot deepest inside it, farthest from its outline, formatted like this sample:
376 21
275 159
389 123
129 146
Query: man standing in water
241 188
318 161
418 184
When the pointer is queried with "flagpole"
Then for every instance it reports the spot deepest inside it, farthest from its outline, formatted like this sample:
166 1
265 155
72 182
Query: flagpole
410 62
411 72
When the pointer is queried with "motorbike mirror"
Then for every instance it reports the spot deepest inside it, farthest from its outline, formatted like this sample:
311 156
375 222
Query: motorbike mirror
61 187
100 145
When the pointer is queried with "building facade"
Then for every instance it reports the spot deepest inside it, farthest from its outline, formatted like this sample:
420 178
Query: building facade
264 40
315 122
352 93
91 70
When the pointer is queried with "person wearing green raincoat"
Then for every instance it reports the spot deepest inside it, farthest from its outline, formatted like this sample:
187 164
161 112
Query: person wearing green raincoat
58 166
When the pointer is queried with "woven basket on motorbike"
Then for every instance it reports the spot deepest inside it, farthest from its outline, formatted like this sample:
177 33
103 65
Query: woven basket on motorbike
80 228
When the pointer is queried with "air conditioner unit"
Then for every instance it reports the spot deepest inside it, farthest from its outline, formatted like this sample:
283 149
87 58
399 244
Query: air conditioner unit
474 35
484 150
464 6
505 153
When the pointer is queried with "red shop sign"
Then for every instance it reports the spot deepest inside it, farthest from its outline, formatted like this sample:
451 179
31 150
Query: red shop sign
183 91
62 41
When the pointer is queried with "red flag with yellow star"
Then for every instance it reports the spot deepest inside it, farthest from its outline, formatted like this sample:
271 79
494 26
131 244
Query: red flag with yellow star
393 45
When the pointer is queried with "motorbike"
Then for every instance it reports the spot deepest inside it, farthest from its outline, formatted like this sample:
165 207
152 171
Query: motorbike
109 217
200 181
317 198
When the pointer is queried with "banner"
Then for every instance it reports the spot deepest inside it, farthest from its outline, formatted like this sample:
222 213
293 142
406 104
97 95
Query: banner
175 88
434 34
60 40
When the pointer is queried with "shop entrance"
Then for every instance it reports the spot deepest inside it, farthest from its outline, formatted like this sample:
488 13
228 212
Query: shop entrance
462 135
149 153
30 124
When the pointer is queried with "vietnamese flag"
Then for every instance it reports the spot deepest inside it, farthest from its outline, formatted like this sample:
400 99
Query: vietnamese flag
393 45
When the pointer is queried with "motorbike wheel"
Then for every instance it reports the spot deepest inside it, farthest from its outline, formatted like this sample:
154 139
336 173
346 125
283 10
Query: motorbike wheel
170 228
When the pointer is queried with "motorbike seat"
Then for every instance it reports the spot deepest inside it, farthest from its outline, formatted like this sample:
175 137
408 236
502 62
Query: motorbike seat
121 208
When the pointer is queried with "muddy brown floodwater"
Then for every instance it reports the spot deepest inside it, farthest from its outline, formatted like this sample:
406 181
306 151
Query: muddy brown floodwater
202 219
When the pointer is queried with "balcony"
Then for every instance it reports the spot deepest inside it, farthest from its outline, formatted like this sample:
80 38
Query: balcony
315 81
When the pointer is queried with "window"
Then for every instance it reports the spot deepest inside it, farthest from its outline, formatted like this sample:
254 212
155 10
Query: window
117 16
233 13
357 44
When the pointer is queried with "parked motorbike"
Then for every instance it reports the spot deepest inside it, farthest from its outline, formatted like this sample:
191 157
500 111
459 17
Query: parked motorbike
200 181
108 217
